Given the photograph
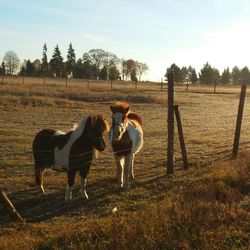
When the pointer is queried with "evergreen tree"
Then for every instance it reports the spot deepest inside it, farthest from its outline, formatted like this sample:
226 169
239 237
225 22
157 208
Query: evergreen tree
235 75
184 72
103 75
71 60
178 77
207 74
89 70
245 76
225 76
45 59
78 70
193 76
29 68
113 73
56 63
216 75
3 72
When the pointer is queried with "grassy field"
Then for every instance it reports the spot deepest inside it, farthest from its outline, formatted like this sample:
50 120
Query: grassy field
206 207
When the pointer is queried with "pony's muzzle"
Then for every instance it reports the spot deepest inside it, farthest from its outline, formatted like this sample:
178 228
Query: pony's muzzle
100 144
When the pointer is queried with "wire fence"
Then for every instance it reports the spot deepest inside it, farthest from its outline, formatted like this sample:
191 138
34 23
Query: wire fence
208 124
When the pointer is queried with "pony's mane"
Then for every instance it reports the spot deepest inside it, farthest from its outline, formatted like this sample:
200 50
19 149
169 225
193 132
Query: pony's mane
136 117
81 125
79 128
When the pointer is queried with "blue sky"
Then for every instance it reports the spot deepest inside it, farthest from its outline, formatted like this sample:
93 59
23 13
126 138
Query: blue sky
157 32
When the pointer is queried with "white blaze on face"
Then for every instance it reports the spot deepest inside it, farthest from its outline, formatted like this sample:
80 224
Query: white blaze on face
119 127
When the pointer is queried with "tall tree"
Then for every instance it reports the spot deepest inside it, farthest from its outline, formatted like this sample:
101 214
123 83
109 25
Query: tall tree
185 73
245 76
142 68
3 68
56 63
103 74
99 58
226 76
29 68
133 74
45 64
113 73
78 71
71 60
11 62
178 77
207 74
193 76
235 75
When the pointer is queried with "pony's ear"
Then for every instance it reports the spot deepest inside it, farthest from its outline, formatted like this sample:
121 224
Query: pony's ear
112 109
90 121
126 110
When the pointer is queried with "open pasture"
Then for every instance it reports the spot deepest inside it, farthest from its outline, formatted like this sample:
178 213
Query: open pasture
208 123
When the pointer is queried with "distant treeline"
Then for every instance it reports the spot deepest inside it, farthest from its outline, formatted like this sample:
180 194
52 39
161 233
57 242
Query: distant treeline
103 65
95 64
209 75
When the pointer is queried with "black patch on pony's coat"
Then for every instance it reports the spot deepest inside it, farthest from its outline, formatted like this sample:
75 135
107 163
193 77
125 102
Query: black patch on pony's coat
62 139
123 146
43 148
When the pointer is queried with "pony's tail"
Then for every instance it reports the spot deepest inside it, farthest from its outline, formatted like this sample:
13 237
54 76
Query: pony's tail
136 117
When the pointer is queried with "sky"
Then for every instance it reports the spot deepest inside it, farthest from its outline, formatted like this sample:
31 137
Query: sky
155 32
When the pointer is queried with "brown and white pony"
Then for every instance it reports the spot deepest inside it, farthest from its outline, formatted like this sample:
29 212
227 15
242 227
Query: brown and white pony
126 138
69 152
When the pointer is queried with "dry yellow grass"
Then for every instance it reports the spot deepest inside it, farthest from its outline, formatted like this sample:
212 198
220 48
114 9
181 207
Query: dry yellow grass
202 208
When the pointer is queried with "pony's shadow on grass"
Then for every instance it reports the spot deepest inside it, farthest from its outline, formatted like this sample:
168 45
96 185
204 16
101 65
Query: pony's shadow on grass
36 208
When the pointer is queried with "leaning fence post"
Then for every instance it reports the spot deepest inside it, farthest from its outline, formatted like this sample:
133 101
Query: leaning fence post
170 150
10 207
239 121
181 137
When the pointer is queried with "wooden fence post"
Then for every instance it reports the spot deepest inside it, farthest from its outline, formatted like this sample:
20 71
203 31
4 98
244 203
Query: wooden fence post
161 84
43 78
170 150
187 86
239 121
23 79
7 204
111 84
181 137
215 86
2 79
66 82
88 84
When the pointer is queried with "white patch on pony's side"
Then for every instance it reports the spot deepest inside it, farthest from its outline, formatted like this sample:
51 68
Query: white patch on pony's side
62 155
136 136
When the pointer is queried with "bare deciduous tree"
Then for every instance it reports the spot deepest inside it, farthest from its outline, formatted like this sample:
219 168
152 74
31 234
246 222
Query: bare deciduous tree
11 61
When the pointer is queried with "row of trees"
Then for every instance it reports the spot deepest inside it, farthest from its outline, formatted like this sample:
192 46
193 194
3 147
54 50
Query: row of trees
95 64
209 75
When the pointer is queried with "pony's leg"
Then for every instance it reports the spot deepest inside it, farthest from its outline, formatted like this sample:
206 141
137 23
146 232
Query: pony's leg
71 180
132 167
83 173
119 170
127 170
39 178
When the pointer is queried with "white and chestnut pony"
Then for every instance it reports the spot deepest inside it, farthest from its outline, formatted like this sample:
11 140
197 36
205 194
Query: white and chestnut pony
69 152
126 138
